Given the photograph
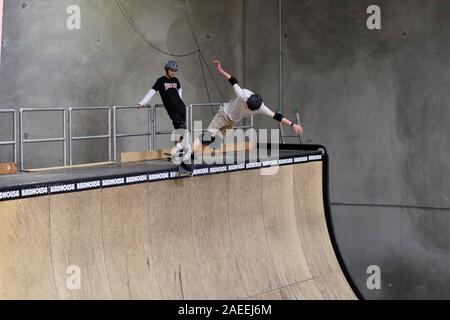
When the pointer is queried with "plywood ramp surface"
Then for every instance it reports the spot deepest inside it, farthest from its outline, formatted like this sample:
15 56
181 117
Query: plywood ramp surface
26 270
242 235
77 240
126 243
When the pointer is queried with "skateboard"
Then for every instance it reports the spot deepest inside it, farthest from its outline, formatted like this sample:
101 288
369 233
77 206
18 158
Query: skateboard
184 170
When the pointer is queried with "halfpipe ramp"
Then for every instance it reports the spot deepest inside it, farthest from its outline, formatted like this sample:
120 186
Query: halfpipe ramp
236 235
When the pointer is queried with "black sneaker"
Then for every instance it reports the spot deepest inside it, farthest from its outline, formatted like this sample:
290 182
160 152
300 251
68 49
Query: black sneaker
186 170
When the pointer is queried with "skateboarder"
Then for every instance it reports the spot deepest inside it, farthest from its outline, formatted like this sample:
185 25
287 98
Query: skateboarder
245 104
169 88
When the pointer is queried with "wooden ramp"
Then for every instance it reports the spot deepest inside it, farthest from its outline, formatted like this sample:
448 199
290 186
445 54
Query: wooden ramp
238 235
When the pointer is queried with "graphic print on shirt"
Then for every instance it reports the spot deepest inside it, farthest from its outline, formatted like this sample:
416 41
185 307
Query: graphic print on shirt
171 86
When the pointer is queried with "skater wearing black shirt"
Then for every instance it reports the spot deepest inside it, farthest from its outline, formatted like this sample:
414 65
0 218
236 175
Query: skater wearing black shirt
169 88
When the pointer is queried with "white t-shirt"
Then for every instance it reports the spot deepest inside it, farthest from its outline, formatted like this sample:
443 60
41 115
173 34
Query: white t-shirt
237 109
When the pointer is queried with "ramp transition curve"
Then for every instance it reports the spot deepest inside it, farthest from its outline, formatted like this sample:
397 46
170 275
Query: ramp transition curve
228 236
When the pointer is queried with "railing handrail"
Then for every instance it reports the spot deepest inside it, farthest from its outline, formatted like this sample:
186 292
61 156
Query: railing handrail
212 104
136 106
42 109
89 108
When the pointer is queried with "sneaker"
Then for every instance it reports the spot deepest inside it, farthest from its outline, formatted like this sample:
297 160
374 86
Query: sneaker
177 154
178 150
185 170
187 155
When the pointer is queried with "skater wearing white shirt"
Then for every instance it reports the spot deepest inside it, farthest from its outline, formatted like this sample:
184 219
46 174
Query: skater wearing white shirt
245 104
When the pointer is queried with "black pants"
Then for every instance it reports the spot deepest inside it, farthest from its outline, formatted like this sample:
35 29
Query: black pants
178 118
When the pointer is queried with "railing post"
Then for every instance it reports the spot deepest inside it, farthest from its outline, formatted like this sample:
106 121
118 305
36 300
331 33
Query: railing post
70 137
188 123
297 115
115 133
21 140
110 134
150 130
153 110
65 136
15 136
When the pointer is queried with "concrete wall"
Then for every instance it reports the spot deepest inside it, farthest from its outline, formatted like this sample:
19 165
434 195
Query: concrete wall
105 64
379 101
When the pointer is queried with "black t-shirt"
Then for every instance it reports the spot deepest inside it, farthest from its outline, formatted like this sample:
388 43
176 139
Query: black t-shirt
168 89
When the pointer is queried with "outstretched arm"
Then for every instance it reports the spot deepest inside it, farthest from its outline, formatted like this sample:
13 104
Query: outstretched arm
296 127
279 117
233 81
224 74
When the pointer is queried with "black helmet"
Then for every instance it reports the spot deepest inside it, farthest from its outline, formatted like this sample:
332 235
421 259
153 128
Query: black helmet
254 102
172 65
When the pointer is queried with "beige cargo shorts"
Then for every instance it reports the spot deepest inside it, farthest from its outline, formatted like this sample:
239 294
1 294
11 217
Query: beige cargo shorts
220 124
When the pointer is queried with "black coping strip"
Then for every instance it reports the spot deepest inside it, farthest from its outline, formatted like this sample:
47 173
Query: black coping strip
17 189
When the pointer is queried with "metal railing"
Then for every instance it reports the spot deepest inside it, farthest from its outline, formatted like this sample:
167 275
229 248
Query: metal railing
284 136
84 138
14 141
24 141
148 134
113 135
